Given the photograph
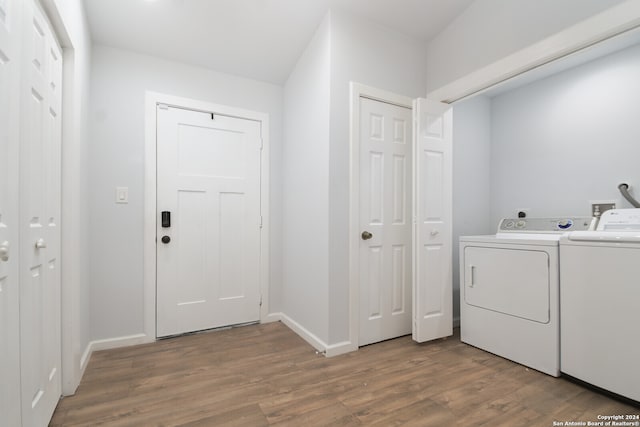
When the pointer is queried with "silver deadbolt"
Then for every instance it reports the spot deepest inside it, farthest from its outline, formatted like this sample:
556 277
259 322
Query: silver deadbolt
366 235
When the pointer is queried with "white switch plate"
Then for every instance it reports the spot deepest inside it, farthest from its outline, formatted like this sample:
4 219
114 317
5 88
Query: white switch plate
122 194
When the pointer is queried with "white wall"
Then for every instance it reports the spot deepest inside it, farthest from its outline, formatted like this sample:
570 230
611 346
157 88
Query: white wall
316 160
306 187
471 178
68 17
568 139
117 120
367 53
490 30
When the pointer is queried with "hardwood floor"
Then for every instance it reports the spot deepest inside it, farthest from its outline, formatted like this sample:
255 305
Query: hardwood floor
265 375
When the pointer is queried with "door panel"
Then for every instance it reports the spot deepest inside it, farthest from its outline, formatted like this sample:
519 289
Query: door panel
432 298
209 179
510 281
385 189
9 245
40 218
599 304
432 274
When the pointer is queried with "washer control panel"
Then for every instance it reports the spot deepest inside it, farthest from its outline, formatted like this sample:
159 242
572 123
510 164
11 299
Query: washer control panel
544 225
620 220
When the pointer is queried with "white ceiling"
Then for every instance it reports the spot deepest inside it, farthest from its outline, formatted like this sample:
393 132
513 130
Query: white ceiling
259 39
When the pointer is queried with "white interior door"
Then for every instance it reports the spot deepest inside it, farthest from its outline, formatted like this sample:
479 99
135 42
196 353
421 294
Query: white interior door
432 269
385 213
209 182
9 145
40 157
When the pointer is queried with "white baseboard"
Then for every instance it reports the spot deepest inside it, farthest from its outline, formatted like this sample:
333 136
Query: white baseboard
72 380
118 342
84 360
309 337
340 348
102 345
313 340
271 317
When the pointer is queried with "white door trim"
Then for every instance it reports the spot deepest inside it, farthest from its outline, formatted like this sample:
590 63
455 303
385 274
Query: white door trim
358 91
150 210
605 25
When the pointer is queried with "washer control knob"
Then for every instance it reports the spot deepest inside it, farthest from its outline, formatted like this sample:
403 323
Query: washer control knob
521 224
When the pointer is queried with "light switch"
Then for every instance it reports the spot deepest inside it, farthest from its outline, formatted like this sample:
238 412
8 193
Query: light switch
122 194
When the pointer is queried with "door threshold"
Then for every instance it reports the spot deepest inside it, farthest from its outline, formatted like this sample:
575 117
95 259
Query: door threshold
204 331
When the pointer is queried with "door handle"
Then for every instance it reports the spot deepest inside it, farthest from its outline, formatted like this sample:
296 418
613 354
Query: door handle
366 235
472 273
166 219
41 244
4 251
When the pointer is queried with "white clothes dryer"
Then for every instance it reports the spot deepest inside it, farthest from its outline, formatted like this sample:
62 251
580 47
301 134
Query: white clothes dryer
600 303
509 296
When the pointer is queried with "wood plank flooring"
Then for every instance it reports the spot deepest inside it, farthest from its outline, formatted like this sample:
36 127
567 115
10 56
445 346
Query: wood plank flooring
265 375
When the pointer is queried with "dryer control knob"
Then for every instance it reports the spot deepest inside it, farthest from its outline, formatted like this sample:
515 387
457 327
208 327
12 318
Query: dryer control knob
565 224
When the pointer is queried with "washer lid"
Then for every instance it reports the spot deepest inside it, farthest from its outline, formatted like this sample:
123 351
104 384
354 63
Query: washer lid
605 236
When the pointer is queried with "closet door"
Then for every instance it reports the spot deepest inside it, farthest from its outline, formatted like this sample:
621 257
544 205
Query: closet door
10 38
40 150
432 268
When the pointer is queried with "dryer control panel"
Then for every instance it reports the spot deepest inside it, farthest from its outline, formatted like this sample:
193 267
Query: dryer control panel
544 225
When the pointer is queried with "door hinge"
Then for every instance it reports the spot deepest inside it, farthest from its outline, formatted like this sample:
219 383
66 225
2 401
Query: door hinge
260 221
261 143
260 300
163 106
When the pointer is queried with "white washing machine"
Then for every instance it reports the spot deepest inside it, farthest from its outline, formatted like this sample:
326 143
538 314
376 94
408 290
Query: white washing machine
509 296
600 303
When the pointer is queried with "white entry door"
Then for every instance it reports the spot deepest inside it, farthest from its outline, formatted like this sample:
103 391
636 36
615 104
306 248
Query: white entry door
40 157
385 221
208 246
9 291
432 269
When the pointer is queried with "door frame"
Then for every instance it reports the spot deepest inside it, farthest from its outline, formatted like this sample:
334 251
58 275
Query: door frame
358 91
152 100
